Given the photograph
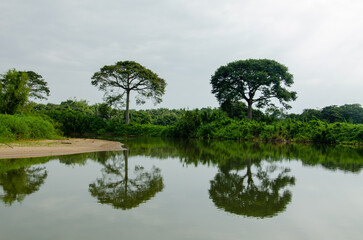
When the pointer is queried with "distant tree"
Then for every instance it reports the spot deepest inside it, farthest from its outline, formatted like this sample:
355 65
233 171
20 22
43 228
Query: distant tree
17 87
76 105
332 114
352 113
310 114
255 81
119 80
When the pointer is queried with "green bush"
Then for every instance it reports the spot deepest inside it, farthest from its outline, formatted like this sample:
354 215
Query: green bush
23 127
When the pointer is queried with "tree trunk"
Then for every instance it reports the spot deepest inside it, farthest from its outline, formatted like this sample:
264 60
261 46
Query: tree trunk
249 113
127 115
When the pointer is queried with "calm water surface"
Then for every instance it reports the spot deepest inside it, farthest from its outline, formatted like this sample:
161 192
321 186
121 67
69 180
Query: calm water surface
186 189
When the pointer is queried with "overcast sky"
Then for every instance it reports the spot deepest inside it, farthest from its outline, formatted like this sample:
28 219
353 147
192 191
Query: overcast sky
184 42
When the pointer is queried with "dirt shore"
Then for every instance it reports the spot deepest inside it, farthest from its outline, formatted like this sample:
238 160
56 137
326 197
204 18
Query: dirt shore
56 147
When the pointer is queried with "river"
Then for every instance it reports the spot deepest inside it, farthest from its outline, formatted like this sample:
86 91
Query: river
186 189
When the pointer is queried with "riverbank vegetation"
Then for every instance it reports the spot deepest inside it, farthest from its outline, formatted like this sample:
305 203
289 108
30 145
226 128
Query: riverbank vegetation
232 120
78 118
27 127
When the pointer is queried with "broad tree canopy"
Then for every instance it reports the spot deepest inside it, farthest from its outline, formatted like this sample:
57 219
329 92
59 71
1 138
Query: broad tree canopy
117 81
16 87
255 81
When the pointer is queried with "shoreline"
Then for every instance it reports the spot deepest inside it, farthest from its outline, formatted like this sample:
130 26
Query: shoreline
43 148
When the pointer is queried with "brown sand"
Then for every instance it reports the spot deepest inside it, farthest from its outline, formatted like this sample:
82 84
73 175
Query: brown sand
56 147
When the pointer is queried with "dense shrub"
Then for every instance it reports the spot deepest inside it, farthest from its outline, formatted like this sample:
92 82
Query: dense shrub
18 127
76 122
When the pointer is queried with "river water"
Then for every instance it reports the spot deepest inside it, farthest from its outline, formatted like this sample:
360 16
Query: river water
186 189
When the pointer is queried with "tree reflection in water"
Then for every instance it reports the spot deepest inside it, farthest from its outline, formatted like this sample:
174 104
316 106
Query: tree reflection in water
19 183
262 194
119 190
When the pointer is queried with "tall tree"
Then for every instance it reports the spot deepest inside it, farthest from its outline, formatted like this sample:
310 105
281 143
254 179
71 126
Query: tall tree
119 80
255 81
17 87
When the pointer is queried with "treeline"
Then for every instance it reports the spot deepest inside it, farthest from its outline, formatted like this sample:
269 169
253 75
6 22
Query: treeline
193 125
229 122
351 113
78 118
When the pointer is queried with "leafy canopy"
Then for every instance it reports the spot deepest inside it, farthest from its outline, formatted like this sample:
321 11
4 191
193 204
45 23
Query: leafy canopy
255 81
16 87
128 76
117 81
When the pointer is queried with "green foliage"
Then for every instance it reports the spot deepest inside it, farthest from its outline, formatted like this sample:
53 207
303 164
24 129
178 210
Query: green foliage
352 113
78 118
76 105
115 127
289 130
117 81
37 85
14 91
16 87
255 81
19 127
75 122
103 110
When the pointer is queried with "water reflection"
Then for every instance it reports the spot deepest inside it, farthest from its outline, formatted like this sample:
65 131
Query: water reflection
260 193
252 179
19 183
232 153
124 191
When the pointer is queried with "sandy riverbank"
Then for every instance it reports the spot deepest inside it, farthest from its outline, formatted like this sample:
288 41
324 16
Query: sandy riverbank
56 147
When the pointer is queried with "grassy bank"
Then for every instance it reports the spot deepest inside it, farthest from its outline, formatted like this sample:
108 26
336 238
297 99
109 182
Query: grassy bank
26 127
